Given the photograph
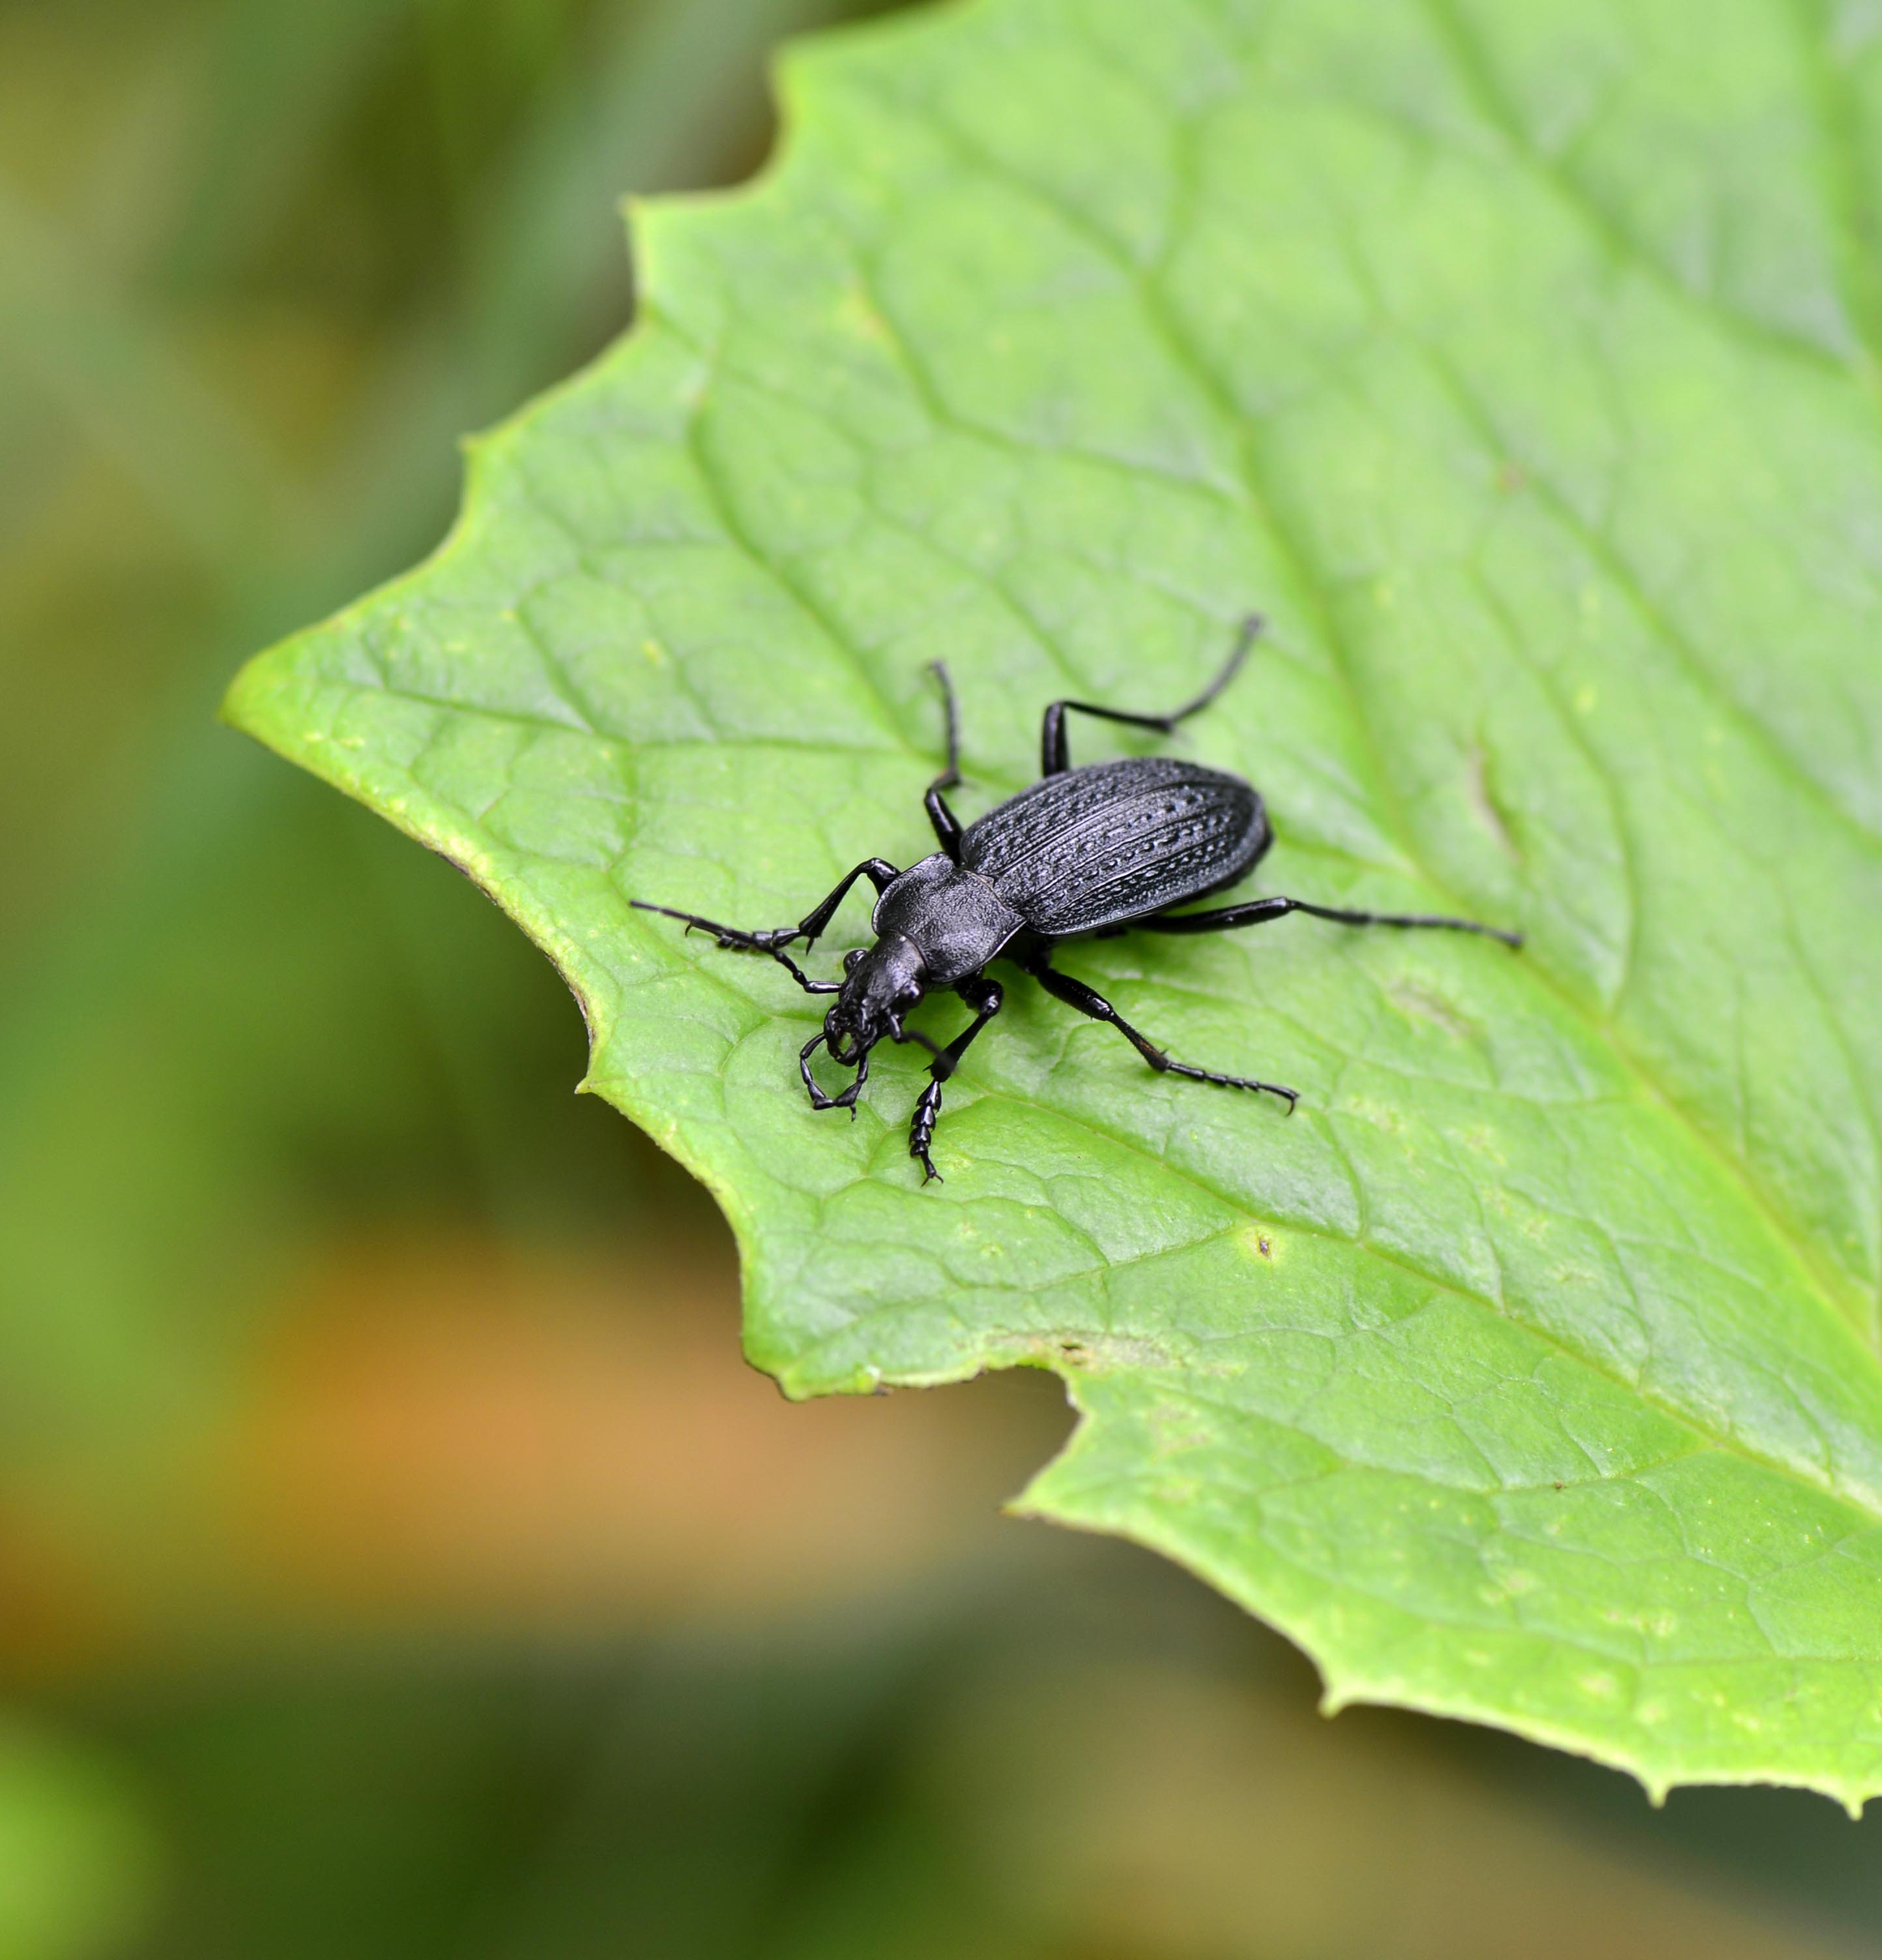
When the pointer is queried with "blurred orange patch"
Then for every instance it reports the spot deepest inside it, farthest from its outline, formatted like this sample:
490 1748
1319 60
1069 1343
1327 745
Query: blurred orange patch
454 1434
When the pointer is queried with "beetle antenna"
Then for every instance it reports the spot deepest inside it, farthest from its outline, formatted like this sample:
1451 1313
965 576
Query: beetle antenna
845 1098
818 1099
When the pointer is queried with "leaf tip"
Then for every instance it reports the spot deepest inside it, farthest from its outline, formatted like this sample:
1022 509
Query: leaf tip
243 702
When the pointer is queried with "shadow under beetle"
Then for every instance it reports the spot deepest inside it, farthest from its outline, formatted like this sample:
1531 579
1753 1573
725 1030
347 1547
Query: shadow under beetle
1097 851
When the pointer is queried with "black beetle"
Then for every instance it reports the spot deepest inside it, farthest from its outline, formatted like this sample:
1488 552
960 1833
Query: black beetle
1093 850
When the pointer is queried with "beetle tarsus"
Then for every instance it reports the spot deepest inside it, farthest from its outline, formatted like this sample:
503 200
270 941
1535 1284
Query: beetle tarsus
1290 1096
986 998
922 1130
1259 911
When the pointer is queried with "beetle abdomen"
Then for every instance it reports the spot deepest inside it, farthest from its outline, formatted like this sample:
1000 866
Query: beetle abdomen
1116 840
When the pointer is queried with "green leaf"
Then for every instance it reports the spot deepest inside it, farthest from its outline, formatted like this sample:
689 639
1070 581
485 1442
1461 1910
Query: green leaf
1520 362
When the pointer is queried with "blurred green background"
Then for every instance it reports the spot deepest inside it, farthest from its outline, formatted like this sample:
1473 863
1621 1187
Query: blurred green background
396 1558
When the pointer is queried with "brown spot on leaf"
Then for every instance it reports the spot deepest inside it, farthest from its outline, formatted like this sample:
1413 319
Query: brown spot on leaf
1483 793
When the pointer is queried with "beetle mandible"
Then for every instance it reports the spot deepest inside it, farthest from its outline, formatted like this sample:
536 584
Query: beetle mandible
1094 851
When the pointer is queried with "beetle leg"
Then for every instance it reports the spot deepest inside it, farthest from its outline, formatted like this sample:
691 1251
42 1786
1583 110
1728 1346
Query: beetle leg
946 825
774 939
773 942
985 997
1258 912
1055 757
879 873
1088 1001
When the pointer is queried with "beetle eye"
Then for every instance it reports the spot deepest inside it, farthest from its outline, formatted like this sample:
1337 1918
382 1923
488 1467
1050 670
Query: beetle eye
853 960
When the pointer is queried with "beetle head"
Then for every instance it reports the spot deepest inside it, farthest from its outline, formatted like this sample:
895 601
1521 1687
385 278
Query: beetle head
880 984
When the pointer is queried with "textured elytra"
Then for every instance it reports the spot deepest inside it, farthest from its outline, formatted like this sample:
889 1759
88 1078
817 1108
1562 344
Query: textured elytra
1517 361
1116 841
